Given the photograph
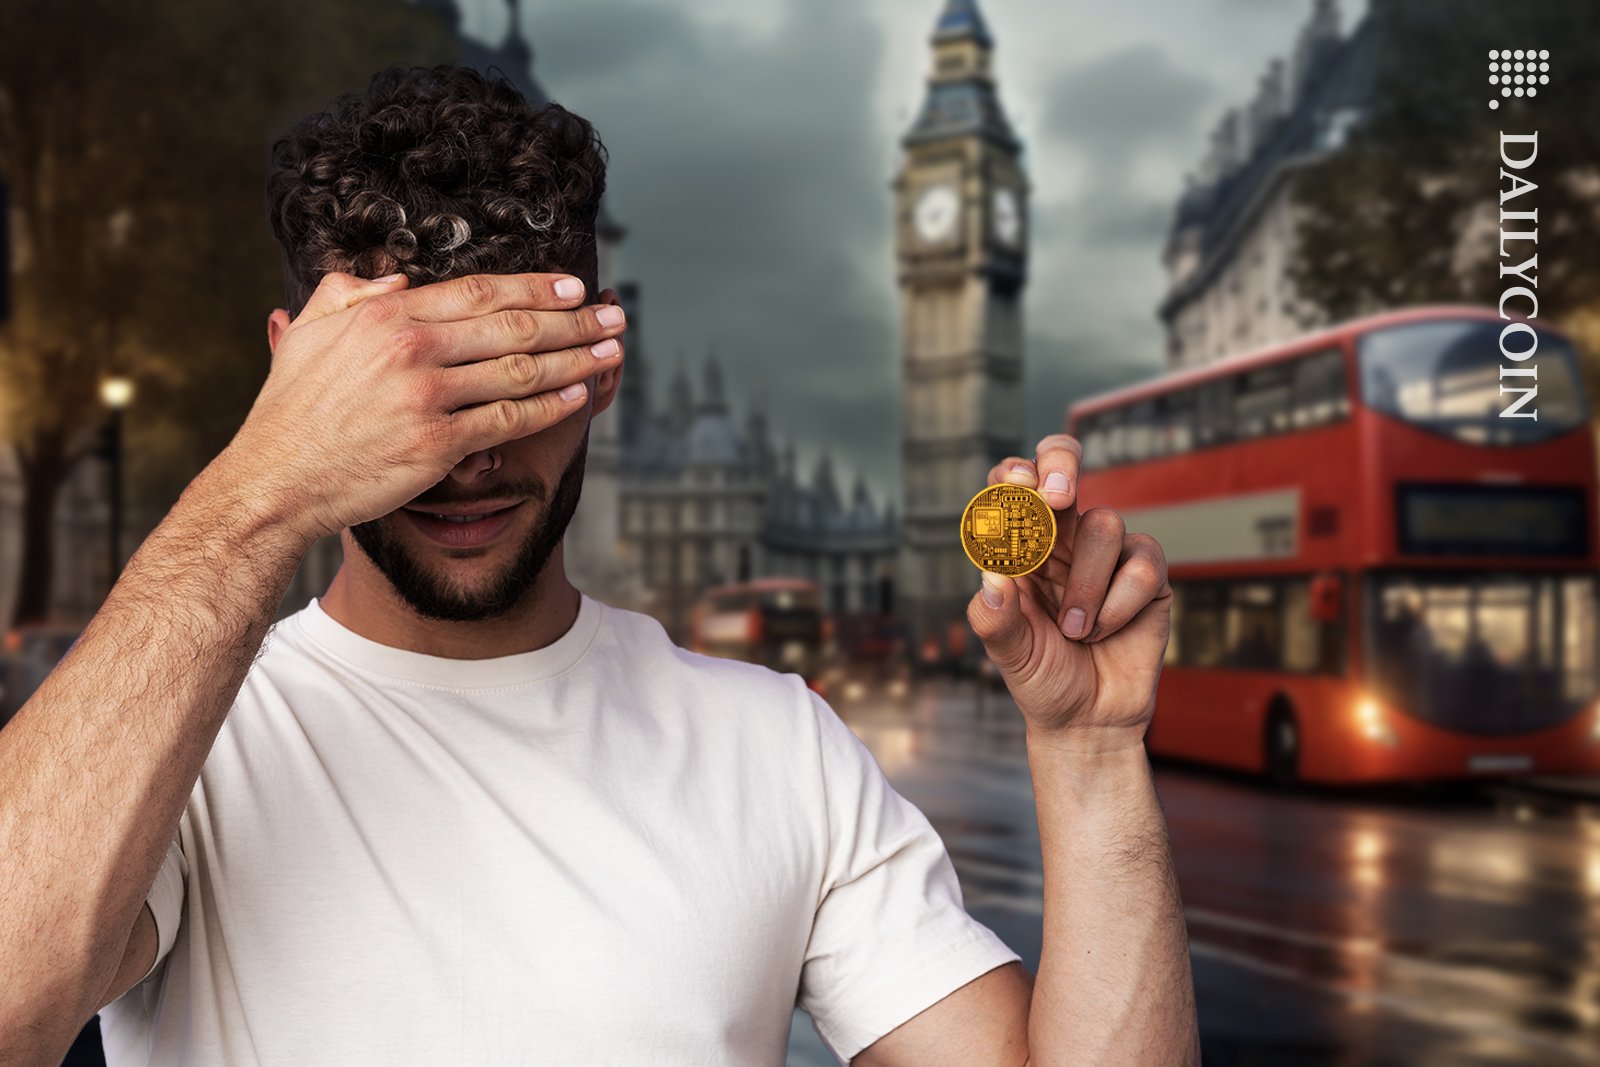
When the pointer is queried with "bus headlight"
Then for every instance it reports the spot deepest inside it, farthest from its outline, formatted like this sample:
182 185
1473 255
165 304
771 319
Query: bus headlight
1373 724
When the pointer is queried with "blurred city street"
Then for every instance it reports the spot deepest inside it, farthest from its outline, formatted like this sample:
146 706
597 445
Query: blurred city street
1451 925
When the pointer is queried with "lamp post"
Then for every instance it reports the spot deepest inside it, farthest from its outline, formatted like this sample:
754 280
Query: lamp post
116 392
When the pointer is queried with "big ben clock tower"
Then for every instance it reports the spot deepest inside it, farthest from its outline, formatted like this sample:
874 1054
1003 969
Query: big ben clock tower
961 249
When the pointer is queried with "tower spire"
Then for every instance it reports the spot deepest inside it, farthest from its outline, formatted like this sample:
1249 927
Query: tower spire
961 98
961 20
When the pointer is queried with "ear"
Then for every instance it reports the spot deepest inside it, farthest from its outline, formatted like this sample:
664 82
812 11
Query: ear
277 322
603 386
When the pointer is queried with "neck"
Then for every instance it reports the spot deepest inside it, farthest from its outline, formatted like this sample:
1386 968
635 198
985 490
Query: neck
361 599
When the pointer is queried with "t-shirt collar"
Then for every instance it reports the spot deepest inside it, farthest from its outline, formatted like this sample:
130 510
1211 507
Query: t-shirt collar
401 664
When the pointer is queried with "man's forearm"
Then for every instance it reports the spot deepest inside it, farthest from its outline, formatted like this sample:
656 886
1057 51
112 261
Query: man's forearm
1114 983
95 769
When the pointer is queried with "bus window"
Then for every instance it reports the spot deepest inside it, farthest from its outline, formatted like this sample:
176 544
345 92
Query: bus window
1092 435
1578 638
1140 441
1178 414
1479 652
1116 437
1304 646
1320 393
1254 627
1445 377
1214 416
1200 625
1263 624
1262 403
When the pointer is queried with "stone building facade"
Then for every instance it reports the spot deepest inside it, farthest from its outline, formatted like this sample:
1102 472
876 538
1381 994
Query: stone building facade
1233 232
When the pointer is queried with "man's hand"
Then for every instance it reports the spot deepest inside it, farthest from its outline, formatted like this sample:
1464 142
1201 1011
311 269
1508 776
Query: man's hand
376 391
1079 641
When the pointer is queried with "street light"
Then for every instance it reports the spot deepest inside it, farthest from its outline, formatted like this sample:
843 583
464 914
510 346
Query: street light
116 392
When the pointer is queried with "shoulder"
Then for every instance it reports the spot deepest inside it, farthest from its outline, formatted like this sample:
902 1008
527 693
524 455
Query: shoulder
643 637
636 646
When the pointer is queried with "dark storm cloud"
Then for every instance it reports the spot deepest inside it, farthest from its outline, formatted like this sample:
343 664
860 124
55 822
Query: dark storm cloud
1113 114
1116 103
754 182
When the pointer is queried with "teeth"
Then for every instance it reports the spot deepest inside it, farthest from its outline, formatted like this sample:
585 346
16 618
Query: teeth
458 518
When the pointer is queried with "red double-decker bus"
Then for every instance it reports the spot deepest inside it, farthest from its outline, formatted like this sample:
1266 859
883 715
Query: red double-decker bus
1376 576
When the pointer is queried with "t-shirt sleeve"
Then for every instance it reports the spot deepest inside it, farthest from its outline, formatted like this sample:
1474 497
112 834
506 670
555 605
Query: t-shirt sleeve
166 899
891 936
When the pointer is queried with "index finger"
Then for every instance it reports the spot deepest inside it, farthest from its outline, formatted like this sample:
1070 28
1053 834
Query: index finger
1057 458
474 295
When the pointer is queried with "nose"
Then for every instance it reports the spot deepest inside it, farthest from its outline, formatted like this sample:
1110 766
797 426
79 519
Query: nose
475 465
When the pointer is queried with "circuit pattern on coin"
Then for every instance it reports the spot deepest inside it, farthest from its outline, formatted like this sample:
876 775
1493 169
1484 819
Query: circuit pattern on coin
1008 529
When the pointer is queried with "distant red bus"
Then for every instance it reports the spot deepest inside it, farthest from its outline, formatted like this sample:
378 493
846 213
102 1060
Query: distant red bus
1376 576
776 622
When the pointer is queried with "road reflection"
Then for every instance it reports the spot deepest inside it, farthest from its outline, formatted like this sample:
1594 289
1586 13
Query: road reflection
1453 926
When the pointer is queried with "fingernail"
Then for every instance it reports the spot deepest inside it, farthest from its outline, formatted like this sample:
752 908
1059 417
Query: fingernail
605 349
387 278
571 392
1072 625
609 315
569 288
1021 470
994 589
1056 483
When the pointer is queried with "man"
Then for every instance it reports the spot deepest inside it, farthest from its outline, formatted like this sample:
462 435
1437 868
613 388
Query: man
456 811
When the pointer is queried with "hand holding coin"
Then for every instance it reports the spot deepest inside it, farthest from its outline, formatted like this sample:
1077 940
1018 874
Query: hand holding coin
1075 610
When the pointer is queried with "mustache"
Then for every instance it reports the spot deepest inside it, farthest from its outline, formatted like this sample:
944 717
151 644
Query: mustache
515 490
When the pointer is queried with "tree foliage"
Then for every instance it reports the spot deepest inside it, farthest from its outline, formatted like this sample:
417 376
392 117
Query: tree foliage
134 139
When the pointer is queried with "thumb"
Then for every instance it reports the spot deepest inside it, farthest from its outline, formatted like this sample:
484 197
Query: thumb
995 614
338 290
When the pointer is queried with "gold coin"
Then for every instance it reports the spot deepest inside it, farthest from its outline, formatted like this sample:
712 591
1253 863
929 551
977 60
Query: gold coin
1009 529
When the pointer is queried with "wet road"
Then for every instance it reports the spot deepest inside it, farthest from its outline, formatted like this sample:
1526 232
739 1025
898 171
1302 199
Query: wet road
1451 927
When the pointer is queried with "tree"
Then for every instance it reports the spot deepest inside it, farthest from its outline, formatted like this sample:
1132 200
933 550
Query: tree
1407 211
134 140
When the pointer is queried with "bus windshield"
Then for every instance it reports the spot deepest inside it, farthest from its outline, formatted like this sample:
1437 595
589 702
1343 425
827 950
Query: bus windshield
1485 653
1444 376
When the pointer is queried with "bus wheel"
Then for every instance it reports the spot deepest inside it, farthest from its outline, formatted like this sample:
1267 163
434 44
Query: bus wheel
1283 747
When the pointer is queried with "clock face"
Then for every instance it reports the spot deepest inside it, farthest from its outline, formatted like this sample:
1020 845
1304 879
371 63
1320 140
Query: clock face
936 212
1007 217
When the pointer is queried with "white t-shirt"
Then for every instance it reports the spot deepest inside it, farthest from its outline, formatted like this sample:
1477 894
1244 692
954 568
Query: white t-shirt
609 850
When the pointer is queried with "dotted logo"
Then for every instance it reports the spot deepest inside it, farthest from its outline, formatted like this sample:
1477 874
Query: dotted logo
1518 71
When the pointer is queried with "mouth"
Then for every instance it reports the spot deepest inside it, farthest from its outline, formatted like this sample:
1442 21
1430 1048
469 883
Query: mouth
458 527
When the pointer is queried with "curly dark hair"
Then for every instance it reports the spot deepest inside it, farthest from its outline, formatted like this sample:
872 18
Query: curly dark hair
436 172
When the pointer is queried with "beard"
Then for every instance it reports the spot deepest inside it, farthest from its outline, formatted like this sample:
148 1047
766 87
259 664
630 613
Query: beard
434 597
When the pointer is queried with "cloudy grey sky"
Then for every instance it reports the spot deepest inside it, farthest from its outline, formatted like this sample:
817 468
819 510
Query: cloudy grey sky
752 143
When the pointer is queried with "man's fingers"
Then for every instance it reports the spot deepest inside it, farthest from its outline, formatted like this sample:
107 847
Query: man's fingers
519 330
521 374
486 425
473 295
1059 455
1140 577
1096 548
